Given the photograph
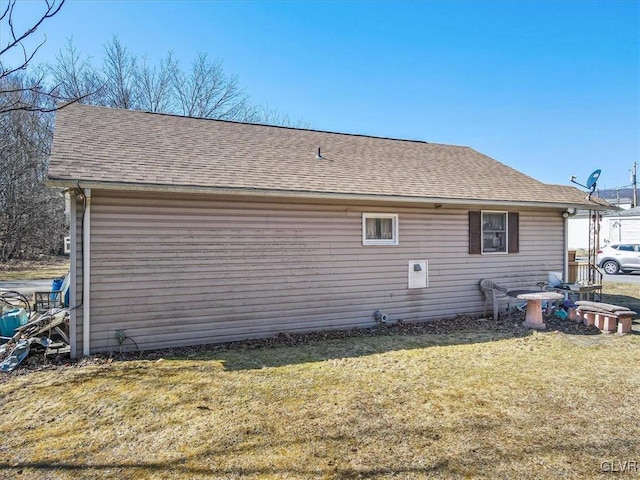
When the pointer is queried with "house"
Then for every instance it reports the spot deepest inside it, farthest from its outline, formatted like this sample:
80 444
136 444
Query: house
189 231
615 226
621 224
622 227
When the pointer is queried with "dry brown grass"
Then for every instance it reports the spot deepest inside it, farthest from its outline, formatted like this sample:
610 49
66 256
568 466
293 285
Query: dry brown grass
46 268
465 405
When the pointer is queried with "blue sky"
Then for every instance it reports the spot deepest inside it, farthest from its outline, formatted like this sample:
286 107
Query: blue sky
551 88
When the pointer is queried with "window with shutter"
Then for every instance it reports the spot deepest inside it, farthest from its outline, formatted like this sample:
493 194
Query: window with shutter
475 233
514 232
493 232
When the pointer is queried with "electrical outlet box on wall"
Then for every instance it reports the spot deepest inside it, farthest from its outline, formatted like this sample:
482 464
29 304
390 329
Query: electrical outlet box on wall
418 274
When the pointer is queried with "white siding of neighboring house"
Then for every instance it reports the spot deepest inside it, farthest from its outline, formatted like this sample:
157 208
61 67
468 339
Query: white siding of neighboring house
176 270
579 232
613 229
623 230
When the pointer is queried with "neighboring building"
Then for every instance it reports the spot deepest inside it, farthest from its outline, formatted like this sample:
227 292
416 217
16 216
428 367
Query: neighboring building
622 227
188 231
616 226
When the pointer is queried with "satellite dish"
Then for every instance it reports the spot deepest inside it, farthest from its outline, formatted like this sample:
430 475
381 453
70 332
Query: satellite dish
591 181
593 178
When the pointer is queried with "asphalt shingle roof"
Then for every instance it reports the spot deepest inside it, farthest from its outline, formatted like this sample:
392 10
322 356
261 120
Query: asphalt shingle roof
105 146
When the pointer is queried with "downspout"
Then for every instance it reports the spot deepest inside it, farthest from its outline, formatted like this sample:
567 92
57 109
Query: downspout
565 256
86 275
73 262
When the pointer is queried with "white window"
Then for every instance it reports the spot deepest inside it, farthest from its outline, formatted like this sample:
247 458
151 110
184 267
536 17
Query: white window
494 232
379 229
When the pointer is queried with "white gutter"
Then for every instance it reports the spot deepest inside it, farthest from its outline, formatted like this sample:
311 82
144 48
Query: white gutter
86 275
304 194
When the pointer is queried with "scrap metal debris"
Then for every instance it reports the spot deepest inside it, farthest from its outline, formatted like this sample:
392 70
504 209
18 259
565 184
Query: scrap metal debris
48 330
20 352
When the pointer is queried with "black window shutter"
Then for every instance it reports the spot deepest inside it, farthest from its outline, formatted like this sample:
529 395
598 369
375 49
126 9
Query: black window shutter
475 229
514 232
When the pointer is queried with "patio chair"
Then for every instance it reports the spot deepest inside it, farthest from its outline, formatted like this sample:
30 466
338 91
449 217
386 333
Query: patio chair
58 298
495 294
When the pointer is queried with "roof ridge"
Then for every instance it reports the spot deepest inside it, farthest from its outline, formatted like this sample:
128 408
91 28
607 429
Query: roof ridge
282 127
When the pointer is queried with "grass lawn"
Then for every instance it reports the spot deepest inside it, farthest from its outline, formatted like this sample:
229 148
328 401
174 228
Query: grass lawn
469 404
48 268
476 404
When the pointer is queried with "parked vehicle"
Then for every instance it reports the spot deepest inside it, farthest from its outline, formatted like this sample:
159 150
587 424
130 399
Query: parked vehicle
619 257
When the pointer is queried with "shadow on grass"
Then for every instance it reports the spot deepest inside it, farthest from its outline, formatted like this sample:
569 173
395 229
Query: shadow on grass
623 300
490 455
241 472
282 350
290 349
344 348
332 464
300 348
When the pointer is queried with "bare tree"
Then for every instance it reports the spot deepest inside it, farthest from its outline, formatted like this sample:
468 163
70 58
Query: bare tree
32 217
17 42
270 116
155 86
207 92
75 77
32 220
203 91
120 72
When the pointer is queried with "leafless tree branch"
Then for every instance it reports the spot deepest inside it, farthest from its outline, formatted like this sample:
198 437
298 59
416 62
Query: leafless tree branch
53 7
16 41
32 221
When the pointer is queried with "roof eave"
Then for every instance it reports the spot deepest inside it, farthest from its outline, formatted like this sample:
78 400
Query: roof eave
71 183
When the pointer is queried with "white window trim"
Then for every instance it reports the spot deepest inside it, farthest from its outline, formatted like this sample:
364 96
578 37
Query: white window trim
506 232
367 241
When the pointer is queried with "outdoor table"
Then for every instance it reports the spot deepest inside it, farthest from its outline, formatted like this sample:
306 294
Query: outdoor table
521 291
584 292
534 307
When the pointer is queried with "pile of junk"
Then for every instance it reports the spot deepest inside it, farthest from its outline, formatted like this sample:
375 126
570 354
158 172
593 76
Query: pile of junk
39 324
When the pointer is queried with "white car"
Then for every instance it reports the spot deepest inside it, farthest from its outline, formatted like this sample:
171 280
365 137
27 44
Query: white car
619 257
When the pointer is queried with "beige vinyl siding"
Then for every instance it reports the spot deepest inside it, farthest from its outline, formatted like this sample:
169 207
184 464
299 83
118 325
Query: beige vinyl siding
176 270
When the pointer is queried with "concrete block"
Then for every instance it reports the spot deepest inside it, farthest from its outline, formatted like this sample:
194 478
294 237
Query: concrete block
624 325
610 323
